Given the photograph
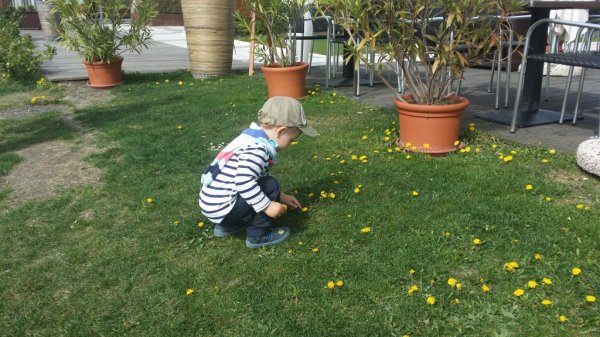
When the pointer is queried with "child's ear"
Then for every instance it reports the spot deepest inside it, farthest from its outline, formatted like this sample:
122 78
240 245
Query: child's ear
281 130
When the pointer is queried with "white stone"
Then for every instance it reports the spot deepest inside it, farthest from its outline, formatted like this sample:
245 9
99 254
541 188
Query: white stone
588 156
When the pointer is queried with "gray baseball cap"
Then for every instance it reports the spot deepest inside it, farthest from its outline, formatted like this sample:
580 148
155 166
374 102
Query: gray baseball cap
285 111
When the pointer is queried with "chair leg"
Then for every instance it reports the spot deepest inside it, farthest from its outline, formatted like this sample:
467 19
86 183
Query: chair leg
513 124
566 94
553 49
579 90
492 72
498 78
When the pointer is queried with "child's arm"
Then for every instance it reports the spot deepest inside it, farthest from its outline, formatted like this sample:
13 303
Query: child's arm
289 200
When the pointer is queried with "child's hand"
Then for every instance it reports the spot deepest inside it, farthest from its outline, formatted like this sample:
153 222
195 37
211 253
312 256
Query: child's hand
275 209
289 200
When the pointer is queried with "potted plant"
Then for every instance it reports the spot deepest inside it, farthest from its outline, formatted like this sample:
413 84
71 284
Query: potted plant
169 13
96 30
432 41
271 31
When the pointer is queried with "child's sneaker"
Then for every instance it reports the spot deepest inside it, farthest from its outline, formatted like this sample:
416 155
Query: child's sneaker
222 232
272 237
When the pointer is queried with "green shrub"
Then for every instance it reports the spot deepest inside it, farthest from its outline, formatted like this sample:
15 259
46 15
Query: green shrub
168 6
19 58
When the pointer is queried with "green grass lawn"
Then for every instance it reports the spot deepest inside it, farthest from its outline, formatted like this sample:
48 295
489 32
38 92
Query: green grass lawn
397 227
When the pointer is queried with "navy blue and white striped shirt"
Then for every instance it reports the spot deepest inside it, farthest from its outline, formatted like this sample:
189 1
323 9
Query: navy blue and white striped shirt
238 175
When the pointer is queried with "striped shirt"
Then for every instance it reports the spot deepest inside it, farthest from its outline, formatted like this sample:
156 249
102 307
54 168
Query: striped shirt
236 171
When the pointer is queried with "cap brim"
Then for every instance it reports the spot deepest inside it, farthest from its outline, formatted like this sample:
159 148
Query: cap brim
307 130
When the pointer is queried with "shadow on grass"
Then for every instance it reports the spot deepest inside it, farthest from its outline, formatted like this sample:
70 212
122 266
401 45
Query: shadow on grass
18 134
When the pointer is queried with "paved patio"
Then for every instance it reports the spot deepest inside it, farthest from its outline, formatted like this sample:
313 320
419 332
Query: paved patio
168 52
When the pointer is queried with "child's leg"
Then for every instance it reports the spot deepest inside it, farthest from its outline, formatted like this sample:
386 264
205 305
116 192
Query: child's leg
261 222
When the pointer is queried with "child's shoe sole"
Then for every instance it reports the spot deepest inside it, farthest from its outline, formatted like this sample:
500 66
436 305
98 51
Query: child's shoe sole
272 237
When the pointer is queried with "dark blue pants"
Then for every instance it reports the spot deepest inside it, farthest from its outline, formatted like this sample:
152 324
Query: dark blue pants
242 213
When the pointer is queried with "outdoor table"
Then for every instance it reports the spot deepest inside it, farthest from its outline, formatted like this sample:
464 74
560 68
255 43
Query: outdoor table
530 114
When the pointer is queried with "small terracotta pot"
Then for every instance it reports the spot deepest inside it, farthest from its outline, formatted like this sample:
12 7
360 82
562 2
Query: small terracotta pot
286 81
430 128
105 75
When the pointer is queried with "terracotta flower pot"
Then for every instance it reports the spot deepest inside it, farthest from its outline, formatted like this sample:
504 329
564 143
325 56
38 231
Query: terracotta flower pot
105 75
286 81
430 128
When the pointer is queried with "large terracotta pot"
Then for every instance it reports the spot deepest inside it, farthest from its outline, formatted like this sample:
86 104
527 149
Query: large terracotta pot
105 75
431 128
286 81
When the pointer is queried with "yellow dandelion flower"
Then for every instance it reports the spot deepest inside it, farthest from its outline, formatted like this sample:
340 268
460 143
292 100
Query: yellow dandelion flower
494 146
426 145
339 283
362 158
511 266
579 206
452 281
386 138
552 151
323 194
430 300
342 162
357 190
546 281
314 250
532 284
507 158
548 199
200 224
538 257
528 187
167 81
519 292
189 291
179 127
456 142
447 234
458 285
477 241
562 318
365 230
414 193
149 200
408 145
546 302
590 298
295 142
332 195
545 161
180 82
485 288
330 284
33 99
300 243
304 209
408 156
576 271
334 94
413 289
176 222
412 271
365 137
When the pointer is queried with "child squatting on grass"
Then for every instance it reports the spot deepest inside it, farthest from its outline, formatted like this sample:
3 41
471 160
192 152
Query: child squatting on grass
237 191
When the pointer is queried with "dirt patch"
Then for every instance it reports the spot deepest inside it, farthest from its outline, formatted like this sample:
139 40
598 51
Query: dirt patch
48 167
51 166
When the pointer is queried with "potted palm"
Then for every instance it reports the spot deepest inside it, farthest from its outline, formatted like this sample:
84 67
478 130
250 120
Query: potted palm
433 41
97 31
272 32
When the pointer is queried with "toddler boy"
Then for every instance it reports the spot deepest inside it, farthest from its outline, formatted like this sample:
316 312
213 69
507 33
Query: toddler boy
237 191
